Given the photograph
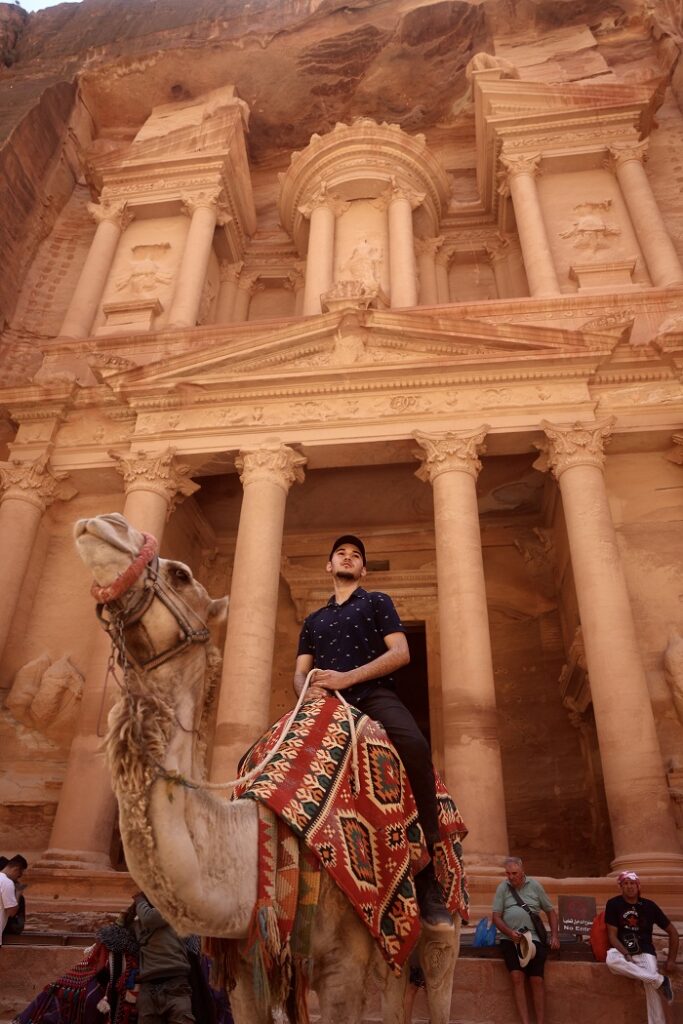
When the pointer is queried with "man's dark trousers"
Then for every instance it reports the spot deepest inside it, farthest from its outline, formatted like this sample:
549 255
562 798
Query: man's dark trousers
384 706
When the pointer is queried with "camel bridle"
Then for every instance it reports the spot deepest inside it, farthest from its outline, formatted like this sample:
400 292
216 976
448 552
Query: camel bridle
120 616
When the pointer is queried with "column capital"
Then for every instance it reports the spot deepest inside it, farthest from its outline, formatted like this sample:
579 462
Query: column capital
578 444
247 282
624 152
159 472
115 211
498 249
429 246
675 454
274 463
321 196
515 164
395 193
34 482
208 199
451 452
230 272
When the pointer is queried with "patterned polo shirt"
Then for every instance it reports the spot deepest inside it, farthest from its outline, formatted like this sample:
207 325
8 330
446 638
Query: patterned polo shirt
345 636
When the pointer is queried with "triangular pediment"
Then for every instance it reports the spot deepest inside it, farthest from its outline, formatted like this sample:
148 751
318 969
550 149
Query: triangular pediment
358 344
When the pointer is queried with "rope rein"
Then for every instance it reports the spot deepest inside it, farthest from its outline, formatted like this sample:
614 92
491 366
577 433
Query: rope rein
182 780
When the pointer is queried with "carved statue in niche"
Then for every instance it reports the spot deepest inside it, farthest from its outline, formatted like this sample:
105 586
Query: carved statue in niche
145 273
363 266
673 670
45 696
590 230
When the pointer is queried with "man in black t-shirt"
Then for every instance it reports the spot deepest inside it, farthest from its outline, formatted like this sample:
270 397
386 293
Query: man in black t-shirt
630 919
356 642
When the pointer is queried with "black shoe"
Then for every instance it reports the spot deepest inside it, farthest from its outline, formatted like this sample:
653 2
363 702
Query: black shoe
433 909
666 990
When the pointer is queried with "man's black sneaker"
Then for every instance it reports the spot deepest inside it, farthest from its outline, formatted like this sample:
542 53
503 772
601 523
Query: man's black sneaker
666 990
433 909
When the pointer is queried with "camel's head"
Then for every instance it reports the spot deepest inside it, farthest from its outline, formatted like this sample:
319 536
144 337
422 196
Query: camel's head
159 604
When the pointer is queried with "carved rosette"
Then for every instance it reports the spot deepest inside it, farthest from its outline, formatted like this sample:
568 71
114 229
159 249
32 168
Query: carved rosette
34 482
452 452
581 444
160 473
115 212
272 463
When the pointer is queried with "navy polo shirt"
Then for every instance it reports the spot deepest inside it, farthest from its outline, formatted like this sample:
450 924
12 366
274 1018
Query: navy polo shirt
345 636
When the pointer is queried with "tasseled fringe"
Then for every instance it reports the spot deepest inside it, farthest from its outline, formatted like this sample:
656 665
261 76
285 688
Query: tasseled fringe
103 1005
224 955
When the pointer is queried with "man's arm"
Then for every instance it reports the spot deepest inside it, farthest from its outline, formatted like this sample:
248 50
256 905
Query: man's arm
304 664
149 916
509 933
396 656
614 941
672 932
554 923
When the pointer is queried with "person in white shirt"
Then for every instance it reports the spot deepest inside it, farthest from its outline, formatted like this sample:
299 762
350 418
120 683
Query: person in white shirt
9 876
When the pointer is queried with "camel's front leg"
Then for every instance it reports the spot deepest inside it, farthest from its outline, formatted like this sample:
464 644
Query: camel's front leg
394 996
439 949
342 951
244 1005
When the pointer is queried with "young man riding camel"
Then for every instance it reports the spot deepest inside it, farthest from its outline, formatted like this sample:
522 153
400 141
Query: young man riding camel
356 642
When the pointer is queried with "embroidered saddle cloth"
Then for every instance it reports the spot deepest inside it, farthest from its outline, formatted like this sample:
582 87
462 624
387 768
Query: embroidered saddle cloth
352 806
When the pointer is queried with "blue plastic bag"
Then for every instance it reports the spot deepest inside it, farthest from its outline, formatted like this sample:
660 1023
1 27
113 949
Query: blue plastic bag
484 933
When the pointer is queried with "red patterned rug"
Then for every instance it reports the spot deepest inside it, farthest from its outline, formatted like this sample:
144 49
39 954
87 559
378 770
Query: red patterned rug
370 841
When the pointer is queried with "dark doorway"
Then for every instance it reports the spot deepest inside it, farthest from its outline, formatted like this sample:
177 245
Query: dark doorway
412 681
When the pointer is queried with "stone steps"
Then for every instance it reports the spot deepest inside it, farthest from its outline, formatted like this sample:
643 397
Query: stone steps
577 990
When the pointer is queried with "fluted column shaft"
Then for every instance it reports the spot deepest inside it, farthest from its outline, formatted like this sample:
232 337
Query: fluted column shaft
533 238
472 750
643 830
195 262
320 256
82 837
267 473
658 249
28 490
402 270
112 219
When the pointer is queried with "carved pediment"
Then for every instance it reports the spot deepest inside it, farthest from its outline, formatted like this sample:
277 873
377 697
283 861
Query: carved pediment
364 342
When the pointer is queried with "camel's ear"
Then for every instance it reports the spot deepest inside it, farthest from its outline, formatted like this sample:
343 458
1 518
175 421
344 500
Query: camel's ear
218 610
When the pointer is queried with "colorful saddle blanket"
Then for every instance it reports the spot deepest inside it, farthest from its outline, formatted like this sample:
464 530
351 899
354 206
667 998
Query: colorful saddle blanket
368 840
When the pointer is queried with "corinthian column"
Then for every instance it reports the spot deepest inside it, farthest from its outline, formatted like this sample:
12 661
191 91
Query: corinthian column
82 837
520 182
112 219
426 249
323 210
28 489
472 758
402 270
246 286
660 255
267 473
643 830
203 210
229 275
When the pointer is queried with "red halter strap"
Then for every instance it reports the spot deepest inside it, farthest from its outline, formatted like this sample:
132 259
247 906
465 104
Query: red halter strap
125 580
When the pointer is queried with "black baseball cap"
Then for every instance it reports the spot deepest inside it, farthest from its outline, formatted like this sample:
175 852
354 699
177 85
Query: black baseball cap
348 538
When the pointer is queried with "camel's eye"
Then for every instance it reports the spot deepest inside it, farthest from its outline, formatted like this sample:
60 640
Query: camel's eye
181 575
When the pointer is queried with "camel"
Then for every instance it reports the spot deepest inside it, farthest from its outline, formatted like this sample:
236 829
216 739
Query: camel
194 852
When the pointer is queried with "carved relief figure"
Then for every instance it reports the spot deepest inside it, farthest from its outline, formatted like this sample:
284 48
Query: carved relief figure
145 273
363 265
590 230
46 697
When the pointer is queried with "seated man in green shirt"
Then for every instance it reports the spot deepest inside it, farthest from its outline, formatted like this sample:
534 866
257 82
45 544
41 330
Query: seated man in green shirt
512 921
